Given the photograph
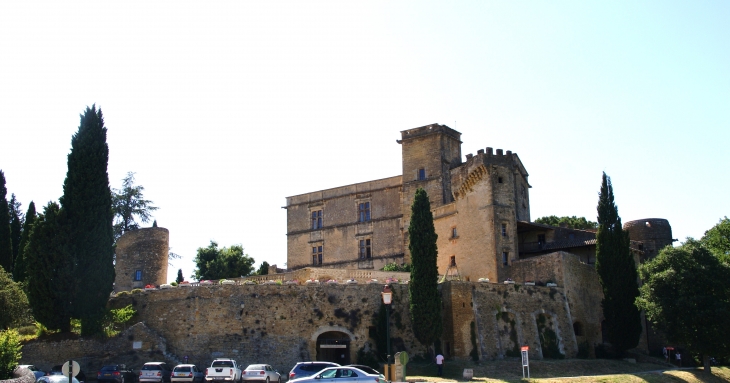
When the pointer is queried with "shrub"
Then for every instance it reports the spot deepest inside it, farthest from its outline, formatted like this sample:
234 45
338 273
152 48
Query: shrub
173 283
122 294
136 291
9 353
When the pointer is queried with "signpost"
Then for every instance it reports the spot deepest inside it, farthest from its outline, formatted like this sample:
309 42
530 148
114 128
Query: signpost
525 362
72 371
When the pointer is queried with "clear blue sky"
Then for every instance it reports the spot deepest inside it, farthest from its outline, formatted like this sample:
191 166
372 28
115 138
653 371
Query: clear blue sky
225 108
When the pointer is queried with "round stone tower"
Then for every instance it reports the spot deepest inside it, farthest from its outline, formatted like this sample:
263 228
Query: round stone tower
652 235
141 258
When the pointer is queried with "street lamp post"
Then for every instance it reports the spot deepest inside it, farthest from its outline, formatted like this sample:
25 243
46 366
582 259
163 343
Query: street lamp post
387 296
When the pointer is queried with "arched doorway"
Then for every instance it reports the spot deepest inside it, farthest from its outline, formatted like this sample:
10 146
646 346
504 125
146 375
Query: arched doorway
333 346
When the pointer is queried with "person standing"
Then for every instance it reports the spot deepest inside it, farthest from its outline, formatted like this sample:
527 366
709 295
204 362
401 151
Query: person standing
440 364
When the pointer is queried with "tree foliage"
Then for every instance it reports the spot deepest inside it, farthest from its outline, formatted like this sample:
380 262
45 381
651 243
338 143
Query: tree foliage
227 262
128 204
263 269
50 267
10 354
617 273
717 240
573 222
87 202
13 302
6 244
20 265
425 300
16 226
685 295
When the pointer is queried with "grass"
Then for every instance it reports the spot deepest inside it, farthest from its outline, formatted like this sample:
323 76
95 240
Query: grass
560 371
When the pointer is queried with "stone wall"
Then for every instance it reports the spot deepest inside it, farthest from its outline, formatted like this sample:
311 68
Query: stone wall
145 250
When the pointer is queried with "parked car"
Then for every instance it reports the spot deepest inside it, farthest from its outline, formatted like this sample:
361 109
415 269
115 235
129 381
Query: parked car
58 370
56 379
261 372
116 373
367 369
187 373
341 375
36 371
223 370
304 369
158 372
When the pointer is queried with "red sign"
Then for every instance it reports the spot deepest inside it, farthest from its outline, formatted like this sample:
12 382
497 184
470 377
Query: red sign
525 348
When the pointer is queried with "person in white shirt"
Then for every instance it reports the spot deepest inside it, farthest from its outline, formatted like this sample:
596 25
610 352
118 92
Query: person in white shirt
440 364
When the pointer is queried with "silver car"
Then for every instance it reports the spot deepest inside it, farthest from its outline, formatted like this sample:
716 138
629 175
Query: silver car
187 373
55 379
36 371
260 373
341 375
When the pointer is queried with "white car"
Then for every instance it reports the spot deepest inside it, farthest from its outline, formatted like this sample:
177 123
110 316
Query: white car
261 373
341 375
55 379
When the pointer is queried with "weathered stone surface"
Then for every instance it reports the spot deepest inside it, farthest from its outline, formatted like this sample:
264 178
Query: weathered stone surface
145 250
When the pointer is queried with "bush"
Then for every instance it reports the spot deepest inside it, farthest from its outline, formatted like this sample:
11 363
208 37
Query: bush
136 291
9 353
406 267
115 320
122 294
173 283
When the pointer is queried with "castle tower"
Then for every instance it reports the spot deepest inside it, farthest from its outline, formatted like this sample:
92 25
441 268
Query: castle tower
429 153
141 258
649 235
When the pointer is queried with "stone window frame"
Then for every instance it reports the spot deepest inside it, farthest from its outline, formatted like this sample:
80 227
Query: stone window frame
504 230
421 174
138 275
364 209
454 233
316 218
317 254
505 258
365 248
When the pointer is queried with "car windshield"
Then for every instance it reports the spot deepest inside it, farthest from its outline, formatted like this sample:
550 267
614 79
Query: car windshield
148 367
329 374
222 363
182 369
256 367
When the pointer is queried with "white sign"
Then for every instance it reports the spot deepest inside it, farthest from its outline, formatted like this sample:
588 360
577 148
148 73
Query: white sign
137 345
74 370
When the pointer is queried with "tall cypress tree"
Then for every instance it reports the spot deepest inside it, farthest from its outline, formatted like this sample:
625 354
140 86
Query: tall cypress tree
49 262
6 244
20 265
425 301
617 273
16 225
87 204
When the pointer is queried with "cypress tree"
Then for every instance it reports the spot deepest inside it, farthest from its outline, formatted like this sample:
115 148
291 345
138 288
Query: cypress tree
49 263
6 245
425 301
180 277
617 273
87 203
16 226
20 266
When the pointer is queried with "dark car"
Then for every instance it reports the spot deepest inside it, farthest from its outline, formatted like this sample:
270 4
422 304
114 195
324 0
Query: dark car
116 373
303 369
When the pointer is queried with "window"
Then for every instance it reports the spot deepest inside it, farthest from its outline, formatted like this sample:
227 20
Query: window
421 174
452 261
138 275
364 212
316 255
541 239
365 251
454 234
505 258
504 229
316 219
499 179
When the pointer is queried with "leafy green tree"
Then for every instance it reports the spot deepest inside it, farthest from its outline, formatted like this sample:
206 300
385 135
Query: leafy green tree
617 273
16 225
717 240
128 203
263 269
573 222
180 277
685 295
19 268
10 354
226 262
6 244
87 202
425 301
50 269
13 302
